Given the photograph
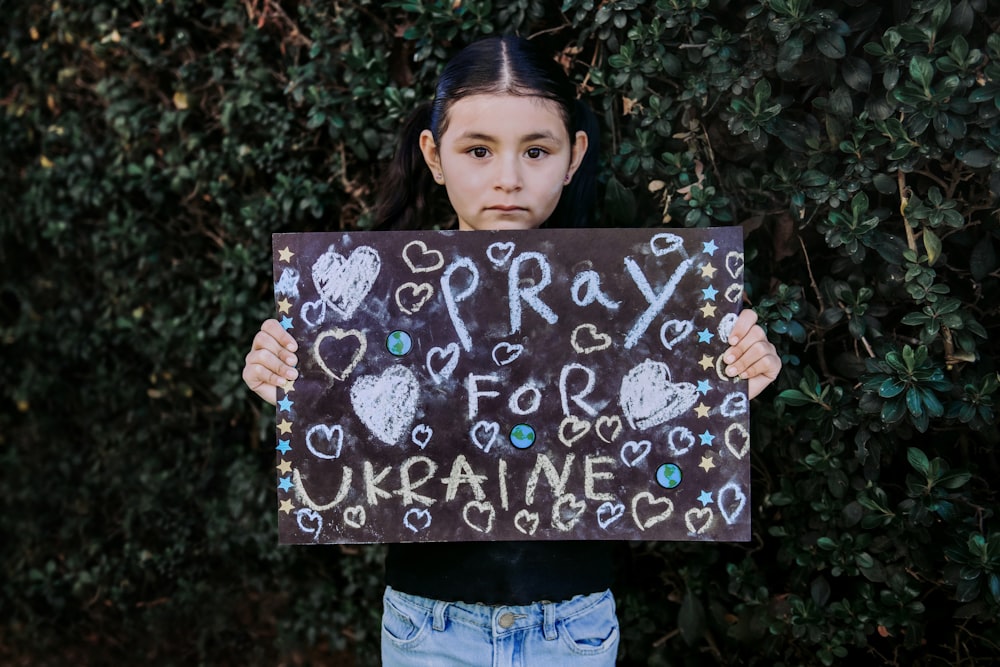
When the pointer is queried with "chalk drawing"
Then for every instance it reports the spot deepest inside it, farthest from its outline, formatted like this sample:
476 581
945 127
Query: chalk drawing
567 511
423 260
407 485
572 429
411 297
578 397
734 293
417 519
608 428
649 398
738 502
450 354
734 264
534 395
421 435
325 442
452 299
288 284
340 334
303 497
483 434
528 295
656 301
586 339
386 403
313 313
648 500
678 330
345 282
608 513
664 244
479 515
680 440
734 404
737 439
694 516
505 353
499 253
526 522
354 517
591 280
310 522
726 325
633 452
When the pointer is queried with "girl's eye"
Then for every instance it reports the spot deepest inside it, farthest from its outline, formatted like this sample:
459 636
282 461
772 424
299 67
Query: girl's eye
534 152
479 152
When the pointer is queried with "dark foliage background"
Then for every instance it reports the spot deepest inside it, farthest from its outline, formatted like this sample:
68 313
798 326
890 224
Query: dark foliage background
148 149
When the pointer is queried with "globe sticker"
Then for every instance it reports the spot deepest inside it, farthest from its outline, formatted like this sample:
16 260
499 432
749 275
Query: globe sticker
399 343
522 436
668 475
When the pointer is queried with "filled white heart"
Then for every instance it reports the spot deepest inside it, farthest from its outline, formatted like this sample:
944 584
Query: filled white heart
649 398
343 283
386 403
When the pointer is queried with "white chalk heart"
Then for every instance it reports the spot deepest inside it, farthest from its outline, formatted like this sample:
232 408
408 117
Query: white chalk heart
355 517
731 501
345 282
386 403
417 519
608 428
726 325
313 313
648 499
420 259
449 354
411 297
310 522
734 405
680 440
504 353
572 429
526 522
677 330
634 452
500 252
608 513
586 339
664 244
737 440
339 373
734 264
484 434
695 515
734 293
324 441
649 398
479 516
421 435
566 512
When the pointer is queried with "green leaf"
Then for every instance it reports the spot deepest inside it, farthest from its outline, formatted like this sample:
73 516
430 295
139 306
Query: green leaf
918 460
691 619
932 245
922 71
831 45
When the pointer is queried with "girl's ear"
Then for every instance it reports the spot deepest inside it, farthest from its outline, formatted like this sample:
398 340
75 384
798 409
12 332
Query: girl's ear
431 155
576 156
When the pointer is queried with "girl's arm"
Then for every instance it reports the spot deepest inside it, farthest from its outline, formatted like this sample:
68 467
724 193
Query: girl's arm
751 355
271 361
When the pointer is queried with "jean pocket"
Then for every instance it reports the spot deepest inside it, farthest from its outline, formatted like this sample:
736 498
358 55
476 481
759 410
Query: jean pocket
402 623
593 631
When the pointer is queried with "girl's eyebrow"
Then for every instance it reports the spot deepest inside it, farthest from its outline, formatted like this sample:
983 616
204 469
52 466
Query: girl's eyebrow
534 136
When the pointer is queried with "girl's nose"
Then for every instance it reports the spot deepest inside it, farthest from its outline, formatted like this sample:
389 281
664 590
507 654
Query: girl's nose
509 174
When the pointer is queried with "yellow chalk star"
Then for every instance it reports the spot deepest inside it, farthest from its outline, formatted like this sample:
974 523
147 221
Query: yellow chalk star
708 310
285 255
706 362
708 271
706 462
289 386
286 507
284 306
285 426
702 410
284 467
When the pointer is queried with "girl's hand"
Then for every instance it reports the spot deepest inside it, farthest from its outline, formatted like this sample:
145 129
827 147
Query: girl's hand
271 361
751 355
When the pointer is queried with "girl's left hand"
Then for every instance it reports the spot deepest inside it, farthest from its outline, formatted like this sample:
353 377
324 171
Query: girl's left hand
751 355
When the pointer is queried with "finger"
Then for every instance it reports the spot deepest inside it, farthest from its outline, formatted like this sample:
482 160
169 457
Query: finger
252 378
263 365
274 329
744 359
265 342
743 325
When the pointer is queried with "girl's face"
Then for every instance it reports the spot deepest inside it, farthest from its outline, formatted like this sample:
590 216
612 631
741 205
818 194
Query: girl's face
504 160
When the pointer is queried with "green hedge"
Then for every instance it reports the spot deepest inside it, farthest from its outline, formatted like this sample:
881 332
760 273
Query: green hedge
148 149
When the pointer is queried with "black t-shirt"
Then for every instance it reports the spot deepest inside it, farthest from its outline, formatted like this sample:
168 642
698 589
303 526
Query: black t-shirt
501 573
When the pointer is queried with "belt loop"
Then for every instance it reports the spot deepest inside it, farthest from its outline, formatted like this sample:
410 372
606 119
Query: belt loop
549 622
439 608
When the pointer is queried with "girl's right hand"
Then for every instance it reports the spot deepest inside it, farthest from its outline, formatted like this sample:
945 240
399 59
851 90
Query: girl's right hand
271 361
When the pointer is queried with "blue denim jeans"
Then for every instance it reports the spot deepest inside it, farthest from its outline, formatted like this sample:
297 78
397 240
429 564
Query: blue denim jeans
419 631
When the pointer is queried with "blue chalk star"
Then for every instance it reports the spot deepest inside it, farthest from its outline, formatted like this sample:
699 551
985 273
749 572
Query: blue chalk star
285 484
709 293
284 446
709 247
286 404
286 323
703 387
705 498
705 336
706 438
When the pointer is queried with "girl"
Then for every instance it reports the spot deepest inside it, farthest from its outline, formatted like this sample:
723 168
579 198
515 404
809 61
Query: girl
514 149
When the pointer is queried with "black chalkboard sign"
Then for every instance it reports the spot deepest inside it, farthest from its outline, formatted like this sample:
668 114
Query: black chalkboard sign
551 384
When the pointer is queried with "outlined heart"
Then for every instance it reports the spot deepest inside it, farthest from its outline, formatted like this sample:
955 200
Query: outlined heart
386 403
699 515
608 428
737 439
566 512
420 259
313 313
678 330
504 353
634 452
664 244
608 513
734 405
411 297
680 440
499 253
325 442
648 499
421 435
586 339
484 434
355 517
440 372
417 519
572 429
726 325
343 283
479 515
310 522
526 522
734 264
731 507
649 398
734 293
336 334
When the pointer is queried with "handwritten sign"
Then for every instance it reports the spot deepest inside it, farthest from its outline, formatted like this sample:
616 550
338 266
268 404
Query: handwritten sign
551 384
